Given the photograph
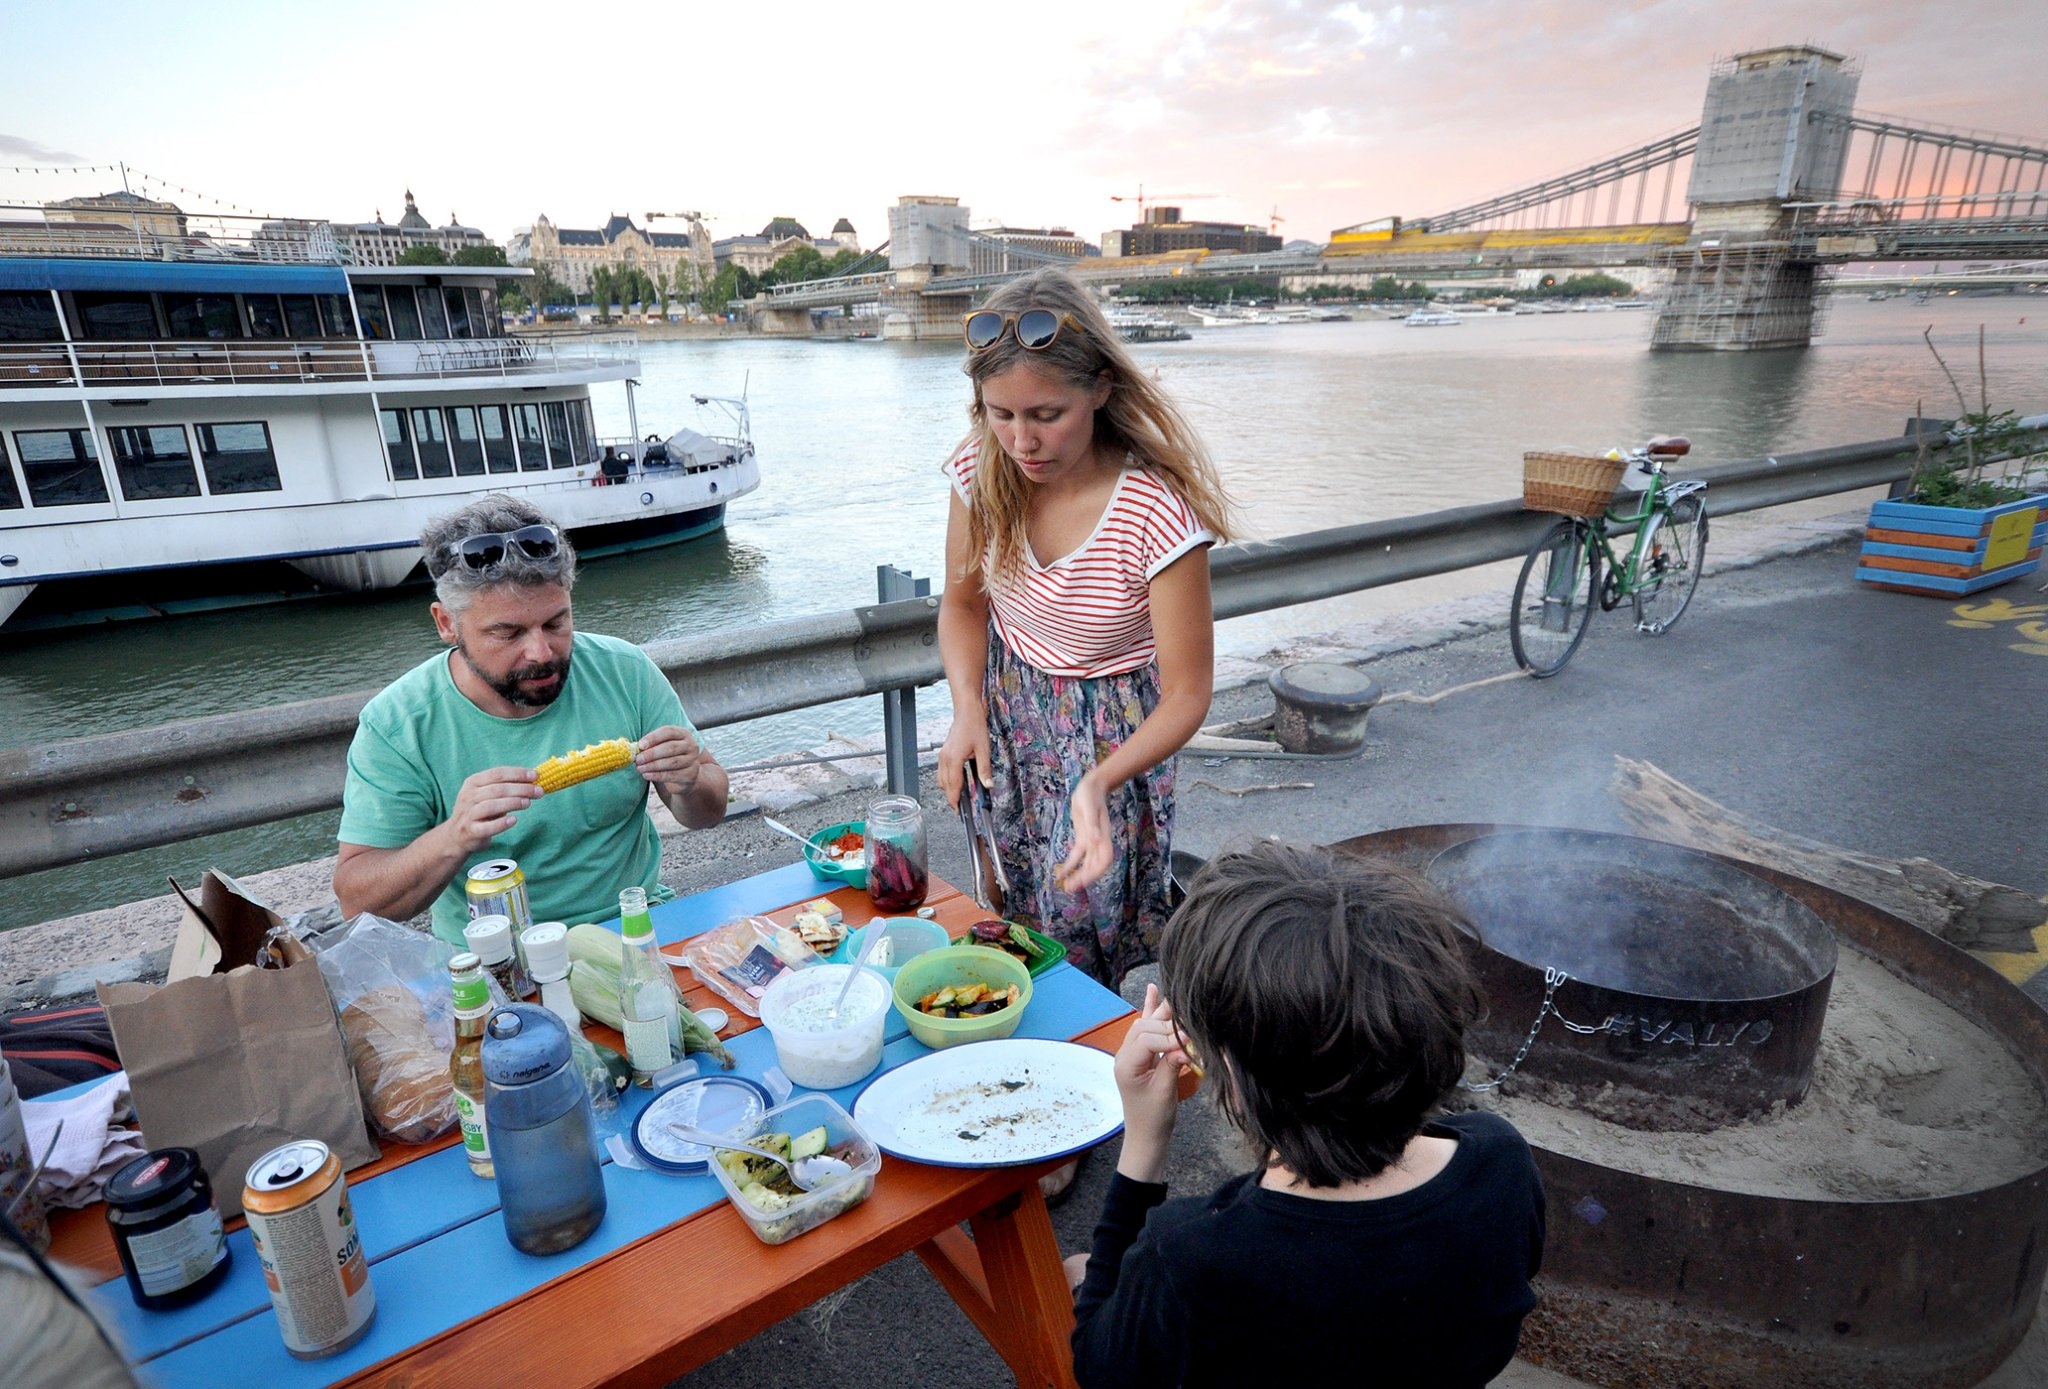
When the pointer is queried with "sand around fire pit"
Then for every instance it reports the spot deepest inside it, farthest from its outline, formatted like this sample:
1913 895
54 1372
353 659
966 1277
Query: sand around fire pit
1909 1099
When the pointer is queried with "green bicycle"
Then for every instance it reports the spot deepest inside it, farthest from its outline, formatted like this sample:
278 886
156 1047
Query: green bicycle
1564 574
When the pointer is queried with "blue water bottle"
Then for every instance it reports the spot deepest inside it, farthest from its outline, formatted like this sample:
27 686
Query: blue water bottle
550 1187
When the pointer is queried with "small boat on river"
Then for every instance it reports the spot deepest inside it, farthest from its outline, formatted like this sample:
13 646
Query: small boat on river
1432 318
187 412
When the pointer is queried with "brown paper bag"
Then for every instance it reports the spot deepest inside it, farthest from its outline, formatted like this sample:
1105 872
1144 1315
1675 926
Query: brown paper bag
231 1059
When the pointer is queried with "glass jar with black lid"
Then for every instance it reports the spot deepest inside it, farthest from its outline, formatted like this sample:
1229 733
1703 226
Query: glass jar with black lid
166 1228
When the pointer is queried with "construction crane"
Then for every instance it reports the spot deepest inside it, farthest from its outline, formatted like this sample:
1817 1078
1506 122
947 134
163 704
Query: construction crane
1141 198
1273 227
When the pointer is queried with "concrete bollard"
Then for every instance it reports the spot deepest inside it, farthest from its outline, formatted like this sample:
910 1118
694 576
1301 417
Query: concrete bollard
1321 707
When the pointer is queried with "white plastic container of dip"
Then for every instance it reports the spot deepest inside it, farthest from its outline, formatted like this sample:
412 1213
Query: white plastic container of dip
816 1051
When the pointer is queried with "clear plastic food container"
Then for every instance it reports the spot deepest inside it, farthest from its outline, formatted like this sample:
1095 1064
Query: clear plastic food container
816 1050
777 1223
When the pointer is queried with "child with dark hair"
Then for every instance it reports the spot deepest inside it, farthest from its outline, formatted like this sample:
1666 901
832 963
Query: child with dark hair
1326 997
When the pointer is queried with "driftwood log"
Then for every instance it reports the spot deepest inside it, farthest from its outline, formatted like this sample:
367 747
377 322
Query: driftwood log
1964 911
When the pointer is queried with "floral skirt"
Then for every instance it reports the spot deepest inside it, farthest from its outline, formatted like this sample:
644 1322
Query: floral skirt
1045 732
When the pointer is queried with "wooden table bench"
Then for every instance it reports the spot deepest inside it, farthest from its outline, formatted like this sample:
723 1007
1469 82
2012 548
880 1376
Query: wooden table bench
666 1301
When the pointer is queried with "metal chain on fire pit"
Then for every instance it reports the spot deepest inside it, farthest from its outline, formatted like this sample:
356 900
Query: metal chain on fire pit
1553 978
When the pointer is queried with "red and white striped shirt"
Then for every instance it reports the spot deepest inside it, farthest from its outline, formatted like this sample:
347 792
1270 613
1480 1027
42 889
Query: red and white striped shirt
1089 613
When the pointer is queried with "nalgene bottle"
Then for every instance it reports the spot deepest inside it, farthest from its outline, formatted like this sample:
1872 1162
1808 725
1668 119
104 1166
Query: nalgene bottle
550 1187
897 875
648 998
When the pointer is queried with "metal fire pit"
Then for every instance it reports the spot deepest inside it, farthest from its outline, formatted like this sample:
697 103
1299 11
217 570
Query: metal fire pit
1656 1284
1683 993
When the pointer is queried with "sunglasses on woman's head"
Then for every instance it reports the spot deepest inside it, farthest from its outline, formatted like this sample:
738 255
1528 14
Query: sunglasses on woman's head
1035 328
484 551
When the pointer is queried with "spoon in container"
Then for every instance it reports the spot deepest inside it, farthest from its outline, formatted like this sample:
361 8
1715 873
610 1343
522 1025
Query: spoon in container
774 824
867 947
809 1173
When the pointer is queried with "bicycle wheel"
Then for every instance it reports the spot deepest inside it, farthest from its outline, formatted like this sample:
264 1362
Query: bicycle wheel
1671 565
1554 598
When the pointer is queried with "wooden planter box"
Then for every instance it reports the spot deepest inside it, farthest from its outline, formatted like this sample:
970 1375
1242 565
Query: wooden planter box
1950 550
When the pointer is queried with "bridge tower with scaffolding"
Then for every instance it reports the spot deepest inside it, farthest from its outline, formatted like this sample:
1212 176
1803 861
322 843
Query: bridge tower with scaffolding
1774 132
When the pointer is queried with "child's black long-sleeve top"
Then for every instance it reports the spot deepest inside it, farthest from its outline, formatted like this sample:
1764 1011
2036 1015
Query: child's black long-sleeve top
1252 1286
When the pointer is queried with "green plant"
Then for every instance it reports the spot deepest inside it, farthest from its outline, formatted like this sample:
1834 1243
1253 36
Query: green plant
1985 438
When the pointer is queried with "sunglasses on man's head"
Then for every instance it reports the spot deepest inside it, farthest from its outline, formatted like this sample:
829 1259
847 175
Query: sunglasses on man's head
484 551
1035 328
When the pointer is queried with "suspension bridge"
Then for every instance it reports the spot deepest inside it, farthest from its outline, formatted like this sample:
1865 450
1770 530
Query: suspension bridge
1741 218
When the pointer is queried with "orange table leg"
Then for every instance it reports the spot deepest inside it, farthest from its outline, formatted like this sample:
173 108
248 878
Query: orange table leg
1028 1286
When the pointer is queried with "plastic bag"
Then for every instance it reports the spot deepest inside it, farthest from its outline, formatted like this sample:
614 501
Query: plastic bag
742 958
389 984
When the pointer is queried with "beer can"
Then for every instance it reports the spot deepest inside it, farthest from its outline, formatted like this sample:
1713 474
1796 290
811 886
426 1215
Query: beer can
305 1232
496 887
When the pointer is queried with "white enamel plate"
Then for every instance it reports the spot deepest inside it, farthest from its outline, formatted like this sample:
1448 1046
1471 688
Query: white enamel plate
994 1104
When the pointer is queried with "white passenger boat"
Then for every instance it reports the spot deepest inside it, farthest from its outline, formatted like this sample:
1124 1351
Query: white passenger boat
1432 318
182 410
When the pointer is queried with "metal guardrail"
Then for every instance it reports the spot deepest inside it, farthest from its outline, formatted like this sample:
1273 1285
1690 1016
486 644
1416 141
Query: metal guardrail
86 798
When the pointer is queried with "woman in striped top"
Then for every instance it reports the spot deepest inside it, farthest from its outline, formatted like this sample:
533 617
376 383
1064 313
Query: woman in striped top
1076 628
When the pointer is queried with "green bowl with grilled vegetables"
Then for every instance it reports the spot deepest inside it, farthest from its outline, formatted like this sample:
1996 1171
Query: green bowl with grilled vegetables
972 975
1038 951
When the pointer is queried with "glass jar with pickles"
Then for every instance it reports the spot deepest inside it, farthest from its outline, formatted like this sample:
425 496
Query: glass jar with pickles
898 875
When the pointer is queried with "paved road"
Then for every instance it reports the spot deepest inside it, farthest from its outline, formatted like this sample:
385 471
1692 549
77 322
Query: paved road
1789 693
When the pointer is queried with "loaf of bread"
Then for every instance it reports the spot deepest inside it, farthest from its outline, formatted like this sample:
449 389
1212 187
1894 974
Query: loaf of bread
402 1074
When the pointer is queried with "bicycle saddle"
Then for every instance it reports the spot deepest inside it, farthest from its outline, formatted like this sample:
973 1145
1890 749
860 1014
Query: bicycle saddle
1675 446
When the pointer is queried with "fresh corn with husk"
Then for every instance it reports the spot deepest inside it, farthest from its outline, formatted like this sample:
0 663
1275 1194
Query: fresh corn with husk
594 985
585 763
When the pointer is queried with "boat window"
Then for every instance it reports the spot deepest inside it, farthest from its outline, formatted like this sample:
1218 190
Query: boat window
526 424
398 444
463 441
582 434
561 453
485 315
370 303
405 313
335 319
10 490
498 450
433 312
301 316
266 315
116 317
202 316
28 317
458 312
479 324
61 467
431 436
153 461
238 458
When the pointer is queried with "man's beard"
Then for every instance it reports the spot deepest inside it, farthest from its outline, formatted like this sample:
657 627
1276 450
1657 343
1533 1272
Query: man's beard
508 688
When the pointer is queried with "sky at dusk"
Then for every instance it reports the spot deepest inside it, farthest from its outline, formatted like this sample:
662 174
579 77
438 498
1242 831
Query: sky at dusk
1031 114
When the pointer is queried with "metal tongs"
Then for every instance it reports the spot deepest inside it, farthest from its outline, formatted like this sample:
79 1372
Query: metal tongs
991 884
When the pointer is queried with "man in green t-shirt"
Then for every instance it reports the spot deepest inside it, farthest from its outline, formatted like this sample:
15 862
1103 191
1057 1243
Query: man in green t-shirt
441 772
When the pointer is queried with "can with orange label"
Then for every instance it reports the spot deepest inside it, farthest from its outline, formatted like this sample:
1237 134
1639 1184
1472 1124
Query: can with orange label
312 1253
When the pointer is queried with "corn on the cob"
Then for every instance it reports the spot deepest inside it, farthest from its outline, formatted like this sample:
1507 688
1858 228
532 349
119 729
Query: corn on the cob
585 763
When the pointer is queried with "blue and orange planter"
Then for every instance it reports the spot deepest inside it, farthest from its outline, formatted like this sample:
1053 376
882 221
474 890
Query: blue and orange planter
1946 550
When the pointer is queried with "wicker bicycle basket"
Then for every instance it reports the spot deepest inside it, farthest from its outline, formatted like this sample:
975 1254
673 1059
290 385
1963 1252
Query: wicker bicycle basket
1569 483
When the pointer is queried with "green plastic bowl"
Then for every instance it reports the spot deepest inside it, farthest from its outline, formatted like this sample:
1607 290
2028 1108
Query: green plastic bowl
824 867
961 964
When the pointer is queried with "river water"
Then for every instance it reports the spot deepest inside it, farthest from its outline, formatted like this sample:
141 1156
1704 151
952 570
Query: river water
1312 425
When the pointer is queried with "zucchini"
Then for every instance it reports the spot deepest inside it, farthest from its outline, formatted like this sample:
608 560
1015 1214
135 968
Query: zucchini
809 1144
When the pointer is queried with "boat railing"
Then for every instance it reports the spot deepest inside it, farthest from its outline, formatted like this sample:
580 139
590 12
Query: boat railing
623 459
108 231
274 361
